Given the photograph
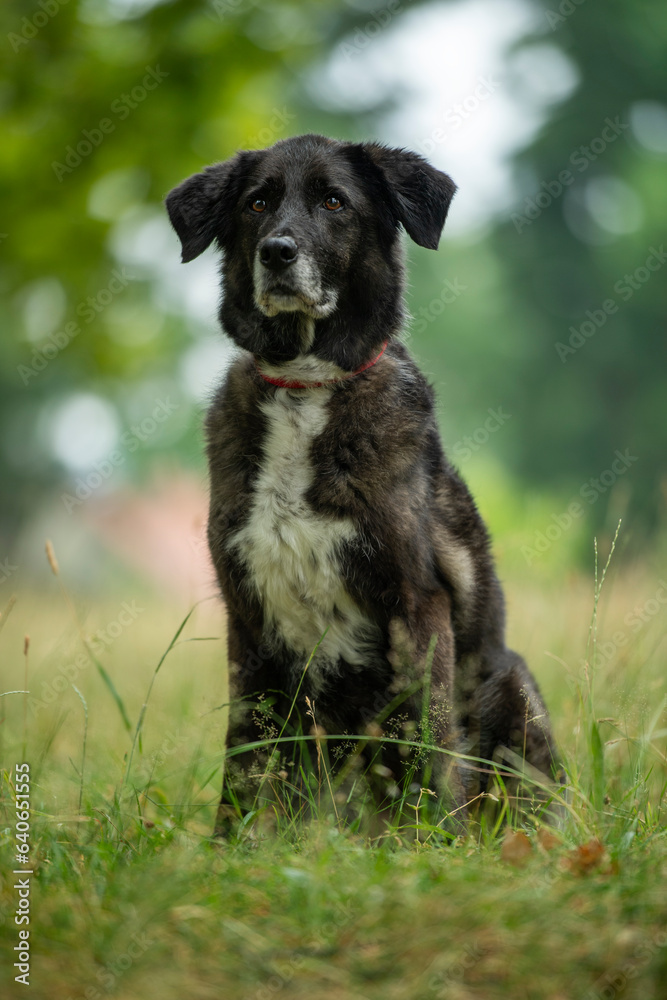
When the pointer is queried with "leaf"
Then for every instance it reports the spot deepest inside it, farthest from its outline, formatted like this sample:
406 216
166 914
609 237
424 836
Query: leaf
548 840
111 687
588 857
516 848
597 759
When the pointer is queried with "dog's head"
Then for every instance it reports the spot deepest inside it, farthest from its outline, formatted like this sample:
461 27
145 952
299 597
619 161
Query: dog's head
309 231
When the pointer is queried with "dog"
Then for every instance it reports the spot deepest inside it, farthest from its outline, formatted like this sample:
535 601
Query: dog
355 568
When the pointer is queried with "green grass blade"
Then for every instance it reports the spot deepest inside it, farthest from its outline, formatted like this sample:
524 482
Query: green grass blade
111 687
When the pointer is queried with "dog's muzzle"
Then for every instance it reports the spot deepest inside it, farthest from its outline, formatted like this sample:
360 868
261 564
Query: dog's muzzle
287 280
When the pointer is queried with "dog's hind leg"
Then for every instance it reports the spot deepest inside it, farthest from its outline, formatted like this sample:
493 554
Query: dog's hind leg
512 722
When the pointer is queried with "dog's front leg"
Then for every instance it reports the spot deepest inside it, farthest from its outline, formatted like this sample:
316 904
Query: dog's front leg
252 674
422 655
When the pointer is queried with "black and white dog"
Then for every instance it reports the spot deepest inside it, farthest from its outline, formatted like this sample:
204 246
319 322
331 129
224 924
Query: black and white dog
333 509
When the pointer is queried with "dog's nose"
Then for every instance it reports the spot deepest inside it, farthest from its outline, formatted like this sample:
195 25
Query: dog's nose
278 252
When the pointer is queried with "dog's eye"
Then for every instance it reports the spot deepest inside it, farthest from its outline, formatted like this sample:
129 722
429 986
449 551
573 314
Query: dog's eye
333 203
258 204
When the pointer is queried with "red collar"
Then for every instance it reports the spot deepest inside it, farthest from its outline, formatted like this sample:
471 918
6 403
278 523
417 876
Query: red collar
284 384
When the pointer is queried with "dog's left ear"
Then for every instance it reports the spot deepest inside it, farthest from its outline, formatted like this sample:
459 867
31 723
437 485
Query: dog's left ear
421 194
200 208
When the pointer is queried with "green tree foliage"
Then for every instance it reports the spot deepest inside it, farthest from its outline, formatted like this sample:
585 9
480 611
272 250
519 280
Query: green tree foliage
584 259
108 103
106 106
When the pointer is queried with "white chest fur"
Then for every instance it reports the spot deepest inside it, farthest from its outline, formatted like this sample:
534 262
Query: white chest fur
291 553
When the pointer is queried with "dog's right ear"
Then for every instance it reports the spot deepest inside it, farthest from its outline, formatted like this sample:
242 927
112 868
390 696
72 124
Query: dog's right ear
200 208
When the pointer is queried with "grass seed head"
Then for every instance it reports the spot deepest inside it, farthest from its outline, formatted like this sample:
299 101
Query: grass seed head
51 556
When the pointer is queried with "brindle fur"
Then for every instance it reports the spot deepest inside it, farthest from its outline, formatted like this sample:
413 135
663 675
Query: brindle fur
420 564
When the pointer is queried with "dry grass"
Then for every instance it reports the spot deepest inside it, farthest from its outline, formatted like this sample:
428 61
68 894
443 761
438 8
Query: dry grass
321 914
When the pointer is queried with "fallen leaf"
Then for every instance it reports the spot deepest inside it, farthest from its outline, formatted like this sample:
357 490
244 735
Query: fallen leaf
547 840
516 848
587 857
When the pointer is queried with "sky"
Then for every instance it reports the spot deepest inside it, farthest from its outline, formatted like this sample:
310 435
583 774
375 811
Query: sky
465 100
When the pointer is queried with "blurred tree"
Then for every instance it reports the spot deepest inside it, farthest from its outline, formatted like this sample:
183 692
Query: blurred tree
584 261
108 103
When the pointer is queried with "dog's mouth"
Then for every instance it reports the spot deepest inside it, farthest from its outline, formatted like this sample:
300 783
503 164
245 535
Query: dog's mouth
281 296
283 290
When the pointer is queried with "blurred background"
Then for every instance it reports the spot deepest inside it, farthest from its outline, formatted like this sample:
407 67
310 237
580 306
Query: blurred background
540 320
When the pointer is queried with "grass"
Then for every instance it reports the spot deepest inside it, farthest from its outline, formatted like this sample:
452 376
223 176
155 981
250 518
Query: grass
124 733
